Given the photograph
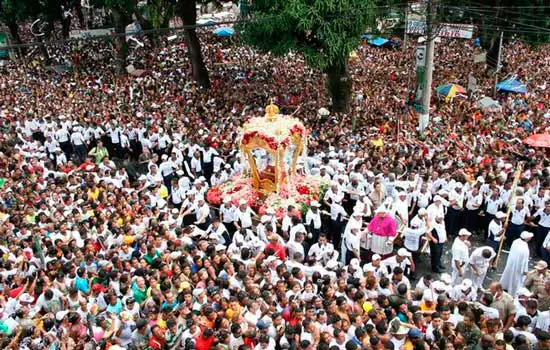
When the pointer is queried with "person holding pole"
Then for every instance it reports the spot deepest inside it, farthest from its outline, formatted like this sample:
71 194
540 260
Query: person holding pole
495 231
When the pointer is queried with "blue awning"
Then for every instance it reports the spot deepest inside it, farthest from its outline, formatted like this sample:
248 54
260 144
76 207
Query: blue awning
512 85
378 42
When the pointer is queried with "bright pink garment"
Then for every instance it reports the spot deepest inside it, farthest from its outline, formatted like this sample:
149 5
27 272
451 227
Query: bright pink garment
383 226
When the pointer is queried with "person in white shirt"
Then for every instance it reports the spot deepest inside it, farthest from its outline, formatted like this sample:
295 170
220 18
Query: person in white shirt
464 292
478 264
243 215
203 213
412 241
543 229
493 203
460 256
337 215
196 165
323 251
313 220
207 157
77 139
63 137
228 215
516 226
495 231
474 200
166 170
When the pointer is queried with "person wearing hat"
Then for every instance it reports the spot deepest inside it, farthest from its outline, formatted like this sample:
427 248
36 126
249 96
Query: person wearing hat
460 255
535 279
517 264
495 231
383 229
228 216
493 203
166 170
436 208
313 220
464 292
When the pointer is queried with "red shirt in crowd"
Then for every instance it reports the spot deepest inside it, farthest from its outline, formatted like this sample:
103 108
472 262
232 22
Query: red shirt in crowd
279 250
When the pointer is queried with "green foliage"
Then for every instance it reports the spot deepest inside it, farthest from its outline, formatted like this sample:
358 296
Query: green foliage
325 31
16 10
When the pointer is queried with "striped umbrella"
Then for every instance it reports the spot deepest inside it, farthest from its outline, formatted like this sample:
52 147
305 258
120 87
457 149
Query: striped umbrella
450 90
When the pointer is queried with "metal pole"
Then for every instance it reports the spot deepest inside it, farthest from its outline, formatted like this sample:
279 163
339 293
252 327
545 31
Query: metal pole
427 90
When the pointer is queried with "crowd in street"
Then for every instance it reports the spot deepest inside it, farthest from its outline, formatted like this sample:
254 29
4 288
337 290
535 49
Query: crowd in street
108 242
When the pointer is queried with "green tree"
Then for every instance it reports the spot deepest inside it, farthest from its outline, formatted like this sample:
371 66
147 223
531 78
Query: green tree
122 11
324 31
13 12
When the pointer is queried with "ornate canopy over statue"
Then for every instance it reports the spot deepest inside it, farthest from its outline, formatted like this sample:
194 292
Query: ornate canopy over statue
279 140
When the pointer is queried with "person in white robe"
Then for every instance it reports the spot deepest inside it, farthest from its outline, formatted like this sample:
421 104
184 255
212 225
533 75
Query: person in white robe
479 263
517 264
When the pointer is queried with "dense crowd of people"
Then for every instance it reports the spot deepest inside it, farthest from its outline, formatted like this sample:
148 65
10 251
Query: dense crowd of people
108 242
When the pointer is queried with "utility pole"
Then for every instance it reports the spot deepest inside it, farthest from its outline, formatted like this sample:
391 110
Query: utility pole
424 117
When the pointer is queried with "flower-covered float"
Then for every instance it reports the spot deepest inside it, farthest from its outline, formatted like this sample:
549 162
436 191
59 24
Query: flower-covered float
272 147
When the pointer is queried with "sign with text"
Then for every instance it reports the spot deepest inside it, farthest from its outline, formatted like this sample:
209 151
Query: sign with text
446 30
90 33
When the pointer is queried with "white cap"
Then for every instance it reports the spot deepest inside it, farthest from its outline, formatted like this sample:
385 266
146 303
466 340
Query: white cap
381 209
164 157
464 232
198 292
243 202
500 215
459 185
466 284
446 278
220 247
376 257
175 211
315 204
227 200
526 235
437 198
60 315
439 286
355 263
403 252
368 268
331 264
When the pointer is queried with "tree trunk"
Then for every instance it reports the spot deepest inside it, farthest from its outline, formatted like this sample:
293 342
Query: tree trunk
121 44
80 14
188 14
339 86
16 39
66 26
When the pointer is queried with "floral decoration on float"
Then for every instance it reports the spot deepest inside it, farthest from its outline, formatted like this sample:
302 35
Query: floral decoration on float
272 147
